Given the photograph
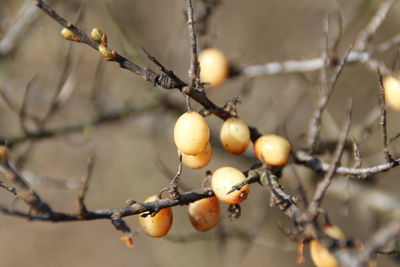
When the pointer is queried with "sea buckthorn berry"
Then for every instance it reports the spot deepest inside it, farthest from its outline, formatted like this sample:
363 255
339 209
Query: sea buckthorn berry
214 67
204 214
392 92
235 135
69 35
191 133
159 224
273 149
222 181
319 254
200 160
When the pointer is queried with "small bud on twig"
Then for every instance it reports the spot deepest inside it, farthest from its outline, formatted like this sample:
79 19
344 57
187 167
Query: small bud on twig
99 36
69 35
107 53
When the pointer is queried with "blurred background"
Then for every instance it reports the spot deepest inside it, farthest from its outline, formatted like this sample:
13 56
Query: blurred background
136 156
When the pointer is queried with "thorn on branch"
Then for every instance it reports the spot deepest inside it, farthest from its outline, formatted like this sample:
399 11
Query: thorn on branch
252 177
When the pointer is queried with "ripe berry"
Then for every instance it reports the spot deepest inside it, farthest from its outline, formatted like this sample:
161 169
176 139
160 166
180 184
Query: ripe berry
273 149
235 135
319 254
191 133
159 224
214 67
392 92
198 161
222 181
204 213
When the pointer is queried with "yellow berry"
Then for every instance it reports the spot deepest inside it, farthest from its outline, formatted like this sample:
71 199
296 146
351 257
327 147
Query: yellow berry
159 224
191 133
273 149
319 254
222 181
198 161
392 92
214 67
235 135
69 35
204 213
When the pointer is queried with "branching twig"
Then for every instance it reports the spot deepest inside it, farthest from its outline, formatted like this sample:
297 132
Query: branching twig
24 191
326 181
376 21
134 209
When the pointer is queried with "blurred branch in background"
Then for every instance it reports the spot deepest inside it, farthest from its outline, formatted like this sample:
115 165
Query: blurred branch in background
18 26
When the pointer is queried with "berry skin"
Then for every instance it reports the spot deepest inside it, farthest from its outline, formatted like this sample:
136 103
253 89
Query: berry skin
319 254
272 149
222 181
158 225
235 135
204 214
392 92
191 133
200 160
214 67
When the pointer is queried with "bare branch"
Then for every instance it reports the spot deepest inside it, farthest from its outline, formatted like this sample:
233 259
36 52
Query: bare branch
8 188
25 192
376 21
134 209
316 164
326 181
381 238
82 210
382 103
194 70
27 15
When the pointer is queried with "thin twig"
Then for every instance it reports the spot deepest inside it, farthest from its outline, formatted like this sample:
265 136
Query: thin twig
326 181
382 103
26 193
173 189
194 69
9 188
318 165
374 24
329 85
22 112
381 238
82 210
27 15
